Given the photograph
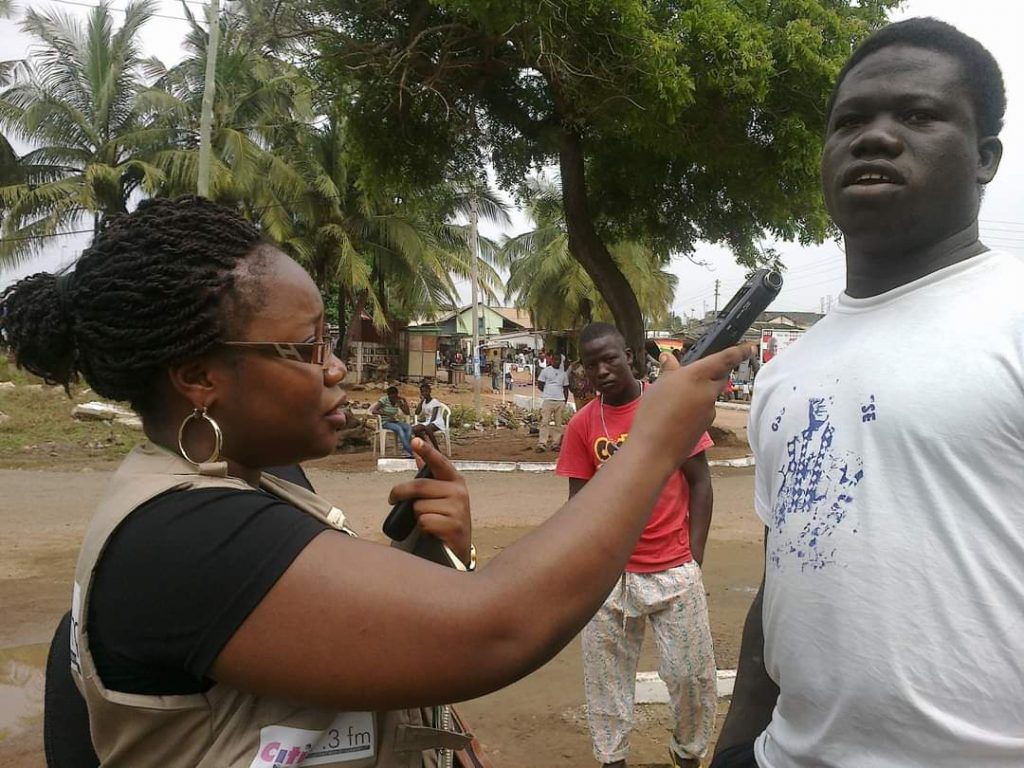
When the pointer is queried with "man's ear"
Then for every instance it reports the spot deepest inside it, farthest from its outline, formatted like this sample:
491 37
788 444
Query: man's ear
990 152
629 355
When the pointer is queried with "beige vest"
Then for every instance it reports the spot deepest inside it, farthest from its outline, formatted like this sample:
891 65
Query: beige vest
223 728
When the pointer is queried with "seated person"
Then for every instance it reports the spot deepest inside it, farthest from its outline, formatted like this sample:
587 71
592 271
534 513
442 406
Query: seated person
428 409
388 408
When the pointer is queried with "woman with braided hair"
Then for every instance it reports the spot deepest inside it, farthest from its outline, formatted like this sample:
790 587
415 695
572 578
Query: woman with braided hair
224 617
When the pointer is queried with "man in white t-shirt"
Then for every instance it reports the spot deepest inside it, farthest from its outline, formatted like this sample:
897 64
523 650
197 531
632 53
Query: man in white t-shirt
429 416
889 443
554 381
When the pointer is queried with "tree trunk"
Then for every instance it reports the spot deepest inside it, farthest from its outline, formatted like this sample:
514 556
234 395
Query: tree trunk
342 328
588 249
586 311
353 323
377 279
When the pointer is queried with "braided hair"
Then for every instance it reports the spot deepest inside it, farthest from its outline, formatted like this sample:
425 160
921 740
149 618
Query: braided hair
156 287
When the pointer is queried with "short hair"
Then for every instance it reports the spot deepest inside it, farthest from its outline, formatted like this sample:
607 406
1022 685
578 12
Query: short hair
392 391
600 330
155 287
982 76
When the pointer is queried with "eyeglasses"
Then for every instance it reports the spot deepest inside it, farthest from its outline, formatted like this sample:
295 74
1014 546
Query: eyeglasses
311 352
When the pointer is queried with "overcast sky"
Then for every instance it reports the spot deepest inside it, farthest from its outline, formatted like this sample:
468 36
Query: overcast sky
814 273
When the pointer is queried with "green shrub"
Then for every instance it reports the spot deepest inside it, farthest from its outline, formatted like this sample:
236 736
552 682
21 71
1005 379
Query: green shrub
462 416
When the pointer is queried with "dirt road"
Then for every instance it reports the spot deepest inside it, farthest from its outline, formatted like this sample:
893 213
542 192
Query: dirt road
537 722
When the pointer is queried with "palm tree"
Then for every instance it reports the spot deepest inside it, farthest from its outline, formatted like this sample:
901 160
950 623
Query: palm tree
545 278
75 100
389 255
262 101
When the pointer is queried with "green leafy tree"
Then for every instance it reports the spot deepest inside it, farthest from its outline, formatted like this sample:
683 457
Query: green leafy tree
545 279
75 101
671 121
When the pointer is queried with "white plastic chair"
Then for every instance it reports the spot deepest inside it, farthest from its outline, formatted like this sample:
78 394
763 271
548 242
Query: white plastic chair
380 445
446 415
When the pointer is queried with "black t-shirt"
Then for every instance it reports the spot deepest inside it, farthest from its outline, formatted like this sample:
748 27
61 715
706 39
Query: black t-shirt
180 575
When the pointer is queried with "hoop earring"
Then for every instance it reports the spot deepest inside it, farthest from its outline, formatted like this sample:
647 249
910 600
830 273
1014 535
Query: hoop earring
217 436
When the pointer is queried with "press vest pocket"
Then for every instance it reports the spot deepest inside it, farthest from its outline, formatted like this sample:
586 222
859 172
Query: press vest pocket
351 739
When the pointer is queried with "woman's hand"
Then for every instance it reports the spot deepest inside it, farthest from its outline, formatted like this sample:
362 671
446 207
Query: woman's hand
442 502
681 405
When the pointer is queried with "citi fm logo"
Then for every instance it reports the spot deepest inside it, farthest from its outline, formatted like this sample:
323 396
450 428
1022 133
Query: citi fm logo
333 743
276 754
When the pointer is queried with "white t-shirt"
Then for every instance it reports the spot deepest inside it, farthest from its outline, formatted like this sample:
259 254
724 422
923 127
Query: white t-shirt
554 380
890 474
428 408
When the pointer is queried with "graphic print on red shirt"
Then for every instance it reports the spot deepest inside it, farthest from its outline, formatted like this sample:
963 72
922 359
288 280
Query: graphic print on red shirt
665 542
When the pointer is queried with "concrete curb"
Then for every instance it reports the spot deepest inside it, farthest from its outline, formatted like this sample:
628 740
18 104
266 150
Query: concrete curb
745 461
651 690
733 406
409 465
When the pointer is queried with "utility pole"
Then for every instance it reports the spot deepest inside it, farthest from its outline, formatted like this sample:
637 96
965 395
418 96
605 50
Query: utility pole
474 247
718 283
209 87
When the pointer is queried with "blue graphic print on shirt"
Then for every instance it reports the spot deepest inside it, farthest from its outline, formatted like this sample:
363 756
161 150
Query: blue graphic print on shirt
817 491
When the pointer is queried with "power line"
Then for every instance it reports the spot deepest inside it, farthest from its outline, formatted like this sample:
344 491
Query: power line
1003 236
287 205
695 297
122 10
1014 230
20 238
998 221
819 282
804 271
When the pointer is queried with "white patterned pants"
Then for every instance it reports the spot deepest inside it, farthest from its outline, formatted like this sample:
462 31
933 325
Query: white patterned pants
674 602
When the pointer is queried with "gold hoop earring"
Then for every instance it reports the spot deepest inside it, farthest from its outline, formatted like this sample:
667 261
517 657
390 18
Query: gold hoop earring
218 437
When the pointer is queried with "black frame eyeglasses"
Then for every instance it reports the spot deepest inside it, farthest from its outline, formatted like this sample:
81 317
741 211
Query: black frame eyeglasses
310 352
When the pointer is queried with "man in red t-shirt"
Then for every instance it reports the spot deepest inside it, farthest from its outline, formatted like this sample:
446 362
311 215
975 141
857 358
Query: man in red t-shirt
662 581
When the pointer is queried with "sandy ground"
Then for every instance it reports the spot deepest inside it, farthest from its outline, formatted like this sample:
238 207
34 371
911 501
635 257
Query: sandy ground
536 722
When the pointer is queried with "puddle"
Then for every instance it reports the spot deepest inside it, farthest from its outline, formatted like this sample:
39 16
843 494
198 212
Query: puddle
21 687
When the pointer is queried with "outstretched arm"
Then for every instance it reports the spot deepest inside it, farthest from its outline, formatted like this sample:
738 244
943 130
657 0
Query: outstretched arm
576 485
392 630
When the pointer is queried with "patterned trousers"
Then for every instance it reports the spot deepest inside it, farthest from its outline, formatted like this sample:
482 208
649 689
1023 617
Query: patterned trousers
674 602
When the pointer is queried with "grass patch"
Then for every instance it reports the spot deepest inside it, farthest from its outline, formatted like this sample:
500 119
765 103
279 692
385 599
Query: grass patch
10 372
40 431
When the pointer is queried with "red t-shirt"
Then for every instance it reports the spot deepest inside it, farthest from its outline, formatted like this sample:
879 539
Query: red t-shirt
665 542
